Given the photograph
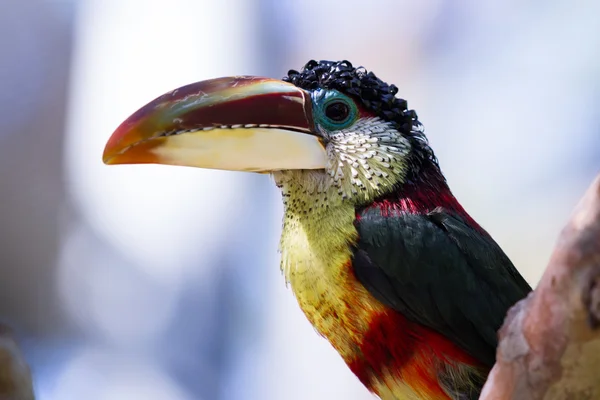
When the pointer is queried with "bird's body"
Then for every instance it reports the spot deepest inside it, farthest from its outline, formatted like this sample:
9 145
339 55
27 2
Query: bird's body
383 260
394 357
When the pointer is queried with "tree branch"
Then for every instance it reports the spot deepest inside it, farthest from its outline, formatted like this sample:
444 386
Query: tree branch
550 341
15 376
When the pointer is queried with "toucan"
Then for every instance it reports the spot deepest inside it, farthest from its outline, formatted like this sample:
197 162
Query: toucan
383 260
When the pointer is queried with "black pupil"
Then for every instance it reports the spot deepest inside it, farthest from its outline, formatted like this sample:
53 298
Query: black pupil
337 111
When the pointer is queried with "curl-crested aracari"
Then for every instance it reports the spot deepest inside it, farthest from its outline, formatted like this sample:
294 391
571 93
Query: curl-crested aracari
384 261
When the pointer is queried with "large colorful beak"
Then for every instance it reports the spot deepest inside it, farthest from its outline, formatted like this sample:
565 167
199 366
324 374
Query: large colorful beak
239 123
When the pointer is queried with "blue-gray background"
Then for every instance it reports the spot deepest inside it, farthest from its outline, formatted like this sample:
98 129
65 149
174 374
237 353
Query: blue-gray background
162 283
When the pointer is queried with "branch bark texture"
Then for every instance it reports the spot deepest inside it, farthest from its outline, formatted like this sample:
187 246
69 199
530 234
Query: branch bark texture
550 341
15 376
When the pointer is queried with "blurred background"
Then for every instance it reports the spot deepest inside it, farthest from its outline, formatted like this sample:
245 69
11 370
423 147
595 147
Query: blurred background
163 283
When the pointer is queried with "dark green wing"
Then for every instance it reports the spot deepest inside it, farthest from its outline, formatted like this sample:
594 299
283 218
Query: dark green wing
440 272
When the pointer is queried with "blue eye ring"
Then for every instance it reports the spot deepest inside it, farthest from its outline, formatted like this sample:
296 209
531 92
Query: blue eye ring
336 111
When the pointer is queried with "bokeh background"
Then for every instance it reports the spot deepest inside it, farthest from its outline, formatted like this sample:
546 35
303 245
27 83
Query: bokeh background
162 283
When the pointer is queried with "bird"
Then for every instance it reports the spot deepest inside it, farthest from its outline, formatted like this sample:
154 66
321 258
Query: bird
383 260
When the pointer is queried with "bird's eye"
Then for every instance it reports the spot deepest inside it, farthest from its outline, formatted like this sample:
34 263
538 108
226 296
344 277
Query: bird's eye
334 110
337 111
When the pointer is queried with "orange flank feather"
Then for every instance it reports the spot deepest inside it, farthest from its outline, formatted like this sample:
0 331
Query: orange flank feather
403 351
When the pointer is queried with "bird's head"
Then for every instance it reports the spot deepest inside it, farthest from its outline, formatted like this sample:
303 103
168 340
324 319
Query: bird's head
329 128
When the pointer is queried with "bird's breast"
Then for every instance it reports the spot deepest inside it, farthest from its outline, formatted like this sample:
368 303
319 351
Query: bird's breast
336 305
316 261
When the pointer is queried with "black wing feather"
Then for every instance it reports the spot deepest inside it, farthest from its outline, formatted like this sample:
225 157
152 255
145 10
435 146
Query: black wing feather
438 271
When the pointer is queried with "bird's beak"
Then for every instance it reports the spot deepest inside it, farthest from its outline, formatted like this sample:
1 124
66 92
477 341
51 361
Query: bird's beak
239 123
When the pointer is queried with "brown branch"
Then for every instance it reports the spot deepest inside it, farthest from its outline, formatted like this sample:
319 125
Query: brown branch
15 376
550 342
